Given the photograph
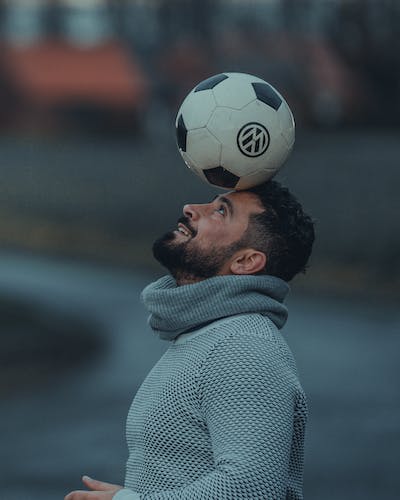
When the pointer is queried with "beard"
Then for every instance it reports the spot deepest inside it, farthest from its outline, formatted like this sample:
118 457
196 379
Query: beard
185 261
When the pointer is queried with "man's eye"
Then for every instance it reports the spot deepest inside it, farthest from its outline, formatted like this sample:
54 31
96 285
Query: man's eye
221 210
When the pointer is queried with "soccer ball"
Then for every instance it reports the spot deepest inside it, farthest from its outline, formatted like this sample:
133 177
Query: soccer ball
234 130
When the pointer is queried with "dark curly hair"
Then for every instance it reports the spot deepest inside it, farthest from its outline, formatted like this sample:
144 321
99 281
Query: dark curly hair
283 231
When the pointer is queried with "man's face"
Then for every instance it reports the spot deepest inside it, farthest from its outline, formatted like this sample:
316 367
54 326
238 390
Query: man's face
207 236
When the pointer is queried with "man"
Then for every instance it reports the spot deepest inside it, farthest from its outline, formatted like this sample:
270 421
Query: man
222 414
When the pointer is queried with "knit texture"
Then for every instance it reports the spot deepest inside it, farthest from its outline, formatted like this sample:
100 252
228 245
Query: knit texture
222 414
175 309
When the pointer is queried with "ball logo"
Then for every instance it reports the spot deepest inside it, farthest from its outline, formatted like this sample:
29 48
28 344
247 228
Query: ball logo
253 139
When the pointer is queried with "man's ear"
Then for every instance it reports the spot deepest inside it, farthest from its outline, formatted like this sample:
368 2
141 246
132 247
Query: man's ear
248 261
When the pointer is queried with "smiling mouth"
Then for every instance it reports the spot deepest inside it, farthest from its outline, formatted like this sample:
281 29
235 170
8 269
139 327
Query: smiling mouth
184 230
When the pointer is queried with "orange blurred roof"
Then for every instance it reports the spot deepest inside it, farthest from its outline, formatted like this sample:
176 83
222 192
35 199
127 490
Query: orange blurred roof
57 73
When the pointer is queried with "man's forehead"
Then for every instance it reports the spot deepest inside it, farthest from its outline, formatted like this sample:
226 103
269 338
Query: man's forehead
242 199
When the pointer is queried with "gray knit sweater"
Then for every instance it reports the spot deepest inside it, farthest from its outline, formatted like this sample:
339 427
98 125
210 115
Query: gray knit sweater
222 414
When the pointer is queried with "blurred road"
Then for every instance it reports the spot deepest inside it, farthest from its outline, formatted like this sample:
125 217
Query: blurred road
73 422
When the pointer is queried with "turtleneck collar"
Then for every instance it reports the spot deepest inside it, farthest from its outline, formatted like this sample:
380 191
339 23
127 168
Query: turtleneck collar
175 309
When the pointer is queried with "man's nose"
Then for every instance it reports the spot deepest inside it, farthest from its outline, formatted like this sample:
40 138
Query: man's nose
194 211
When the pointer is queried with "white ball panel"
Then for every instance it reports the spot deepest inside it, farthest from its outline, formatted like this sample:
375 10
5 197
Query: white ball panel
254 179
223 124
197 108
232 93
189 162
260 112
192 166
204 149
272 159
229 160
287 124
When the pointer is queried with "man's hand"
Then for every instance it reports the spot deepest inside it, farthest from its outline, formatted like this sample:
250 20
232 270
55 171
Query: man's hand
100 490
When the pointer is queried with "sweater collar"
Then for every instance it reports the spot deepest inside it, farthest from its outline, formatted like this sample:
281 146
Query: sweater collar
176 309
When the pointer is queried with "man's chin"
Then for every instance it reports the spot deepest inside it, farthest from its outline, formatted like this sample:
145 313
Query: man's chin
167 237
167 250
174 252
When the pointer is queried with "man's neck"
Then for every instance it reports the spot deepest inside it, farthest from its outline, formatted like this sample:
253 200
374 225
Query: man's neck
186 279
183 278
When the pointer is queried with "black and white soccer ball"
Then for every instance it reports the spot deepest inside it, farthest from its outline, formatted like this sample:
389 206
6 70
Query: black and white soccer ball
235 130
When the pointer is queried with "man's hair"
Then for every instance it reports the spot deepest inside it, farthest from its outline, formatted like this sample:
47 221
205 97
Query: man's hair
283 231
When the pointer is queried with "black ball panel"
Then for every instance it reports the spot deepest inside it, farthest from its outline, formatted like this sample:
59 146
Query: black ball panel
211 82
221 177
267 94
181 134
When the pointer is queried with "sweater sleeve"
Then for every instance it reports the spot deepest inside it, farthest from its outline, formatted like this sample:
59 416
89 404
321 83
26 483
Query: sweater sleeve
126 494
247 395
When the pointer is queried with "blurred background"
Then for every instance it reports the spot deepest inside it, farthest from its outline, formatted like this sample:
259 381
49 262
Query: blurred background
90 176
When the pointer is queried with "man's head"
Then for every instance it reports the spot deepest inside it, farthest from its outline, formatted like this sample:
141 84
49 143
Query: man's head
262 230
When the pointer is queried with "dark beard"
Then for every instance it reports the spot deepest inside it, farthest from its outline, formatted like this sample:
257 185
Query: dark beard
190 264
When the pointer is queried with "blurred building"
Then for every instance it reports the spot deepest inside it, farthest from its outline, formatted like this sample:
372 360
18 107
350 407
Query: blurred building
337 62
63 66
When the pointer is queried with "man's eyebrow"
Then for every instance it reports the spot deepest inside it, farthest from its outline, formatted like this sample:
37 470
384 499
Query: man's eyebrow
227 202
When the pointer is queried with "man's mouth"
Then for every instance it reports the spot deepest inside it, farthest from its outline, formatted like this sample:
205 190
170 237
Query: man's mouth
184 230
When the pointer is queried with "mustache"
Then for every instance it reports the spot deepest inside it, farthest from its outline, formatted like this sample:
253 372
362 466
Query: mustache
186 222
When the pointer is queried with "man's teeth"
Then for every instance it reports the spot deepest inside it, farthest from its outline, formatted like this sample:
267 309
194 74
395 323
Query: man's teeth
183 231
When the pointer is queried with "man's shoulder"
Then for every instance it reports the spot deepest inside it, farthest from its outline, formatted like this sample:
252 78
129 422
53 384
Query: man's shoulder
246 328
254 330
248 345
245 325
231 340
